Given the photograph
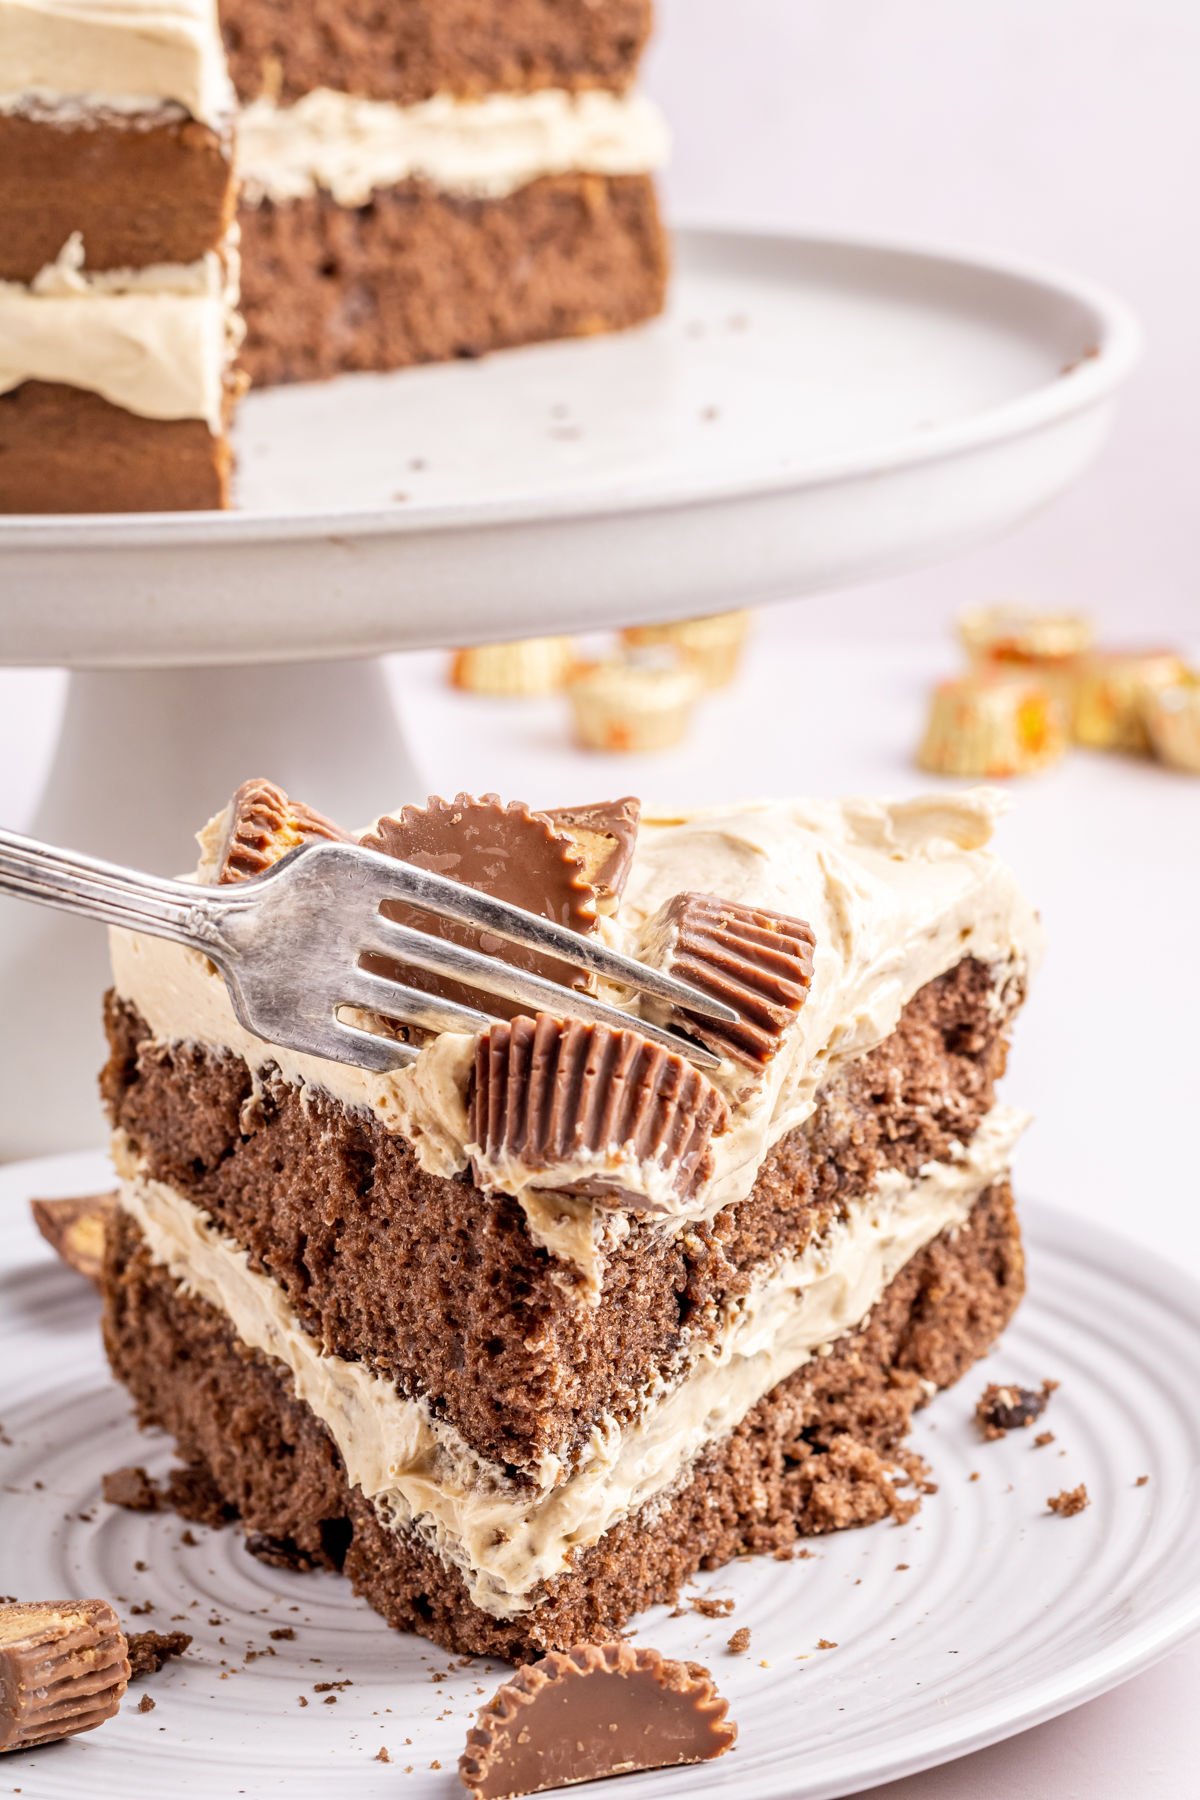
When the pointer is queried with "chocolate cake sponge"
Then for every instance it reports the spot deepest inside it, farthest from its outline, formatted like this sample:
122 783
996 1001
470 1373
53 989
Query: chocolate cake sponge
468 48
817 1454
416 276
441 1289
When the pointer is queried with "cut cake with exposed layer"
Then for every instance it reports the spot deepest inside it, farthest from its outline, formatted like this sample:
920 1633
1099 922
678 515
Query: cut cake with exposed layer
502 1384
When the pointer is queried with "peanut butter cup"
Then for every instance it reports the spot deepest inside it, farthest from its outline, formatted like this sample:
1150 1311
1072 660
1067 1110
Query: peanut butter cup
596 1110
509 852
63 1669
758 962
590 1712
261 825
606 835
74 1228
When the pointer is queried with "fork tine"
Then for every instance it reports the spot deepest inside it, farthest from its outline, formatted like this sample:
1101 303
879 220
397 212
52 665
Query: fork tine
367 1049
388 938
392 998
394 880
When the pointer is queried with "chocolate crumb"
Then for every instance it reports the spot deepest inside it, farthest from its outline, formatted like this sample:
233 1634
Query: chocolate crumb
304 1699
826 1644
1141 1481
1004 1407
1069 1502
149 1650
712 1606
900 1566
285 1632
145 1704
383 1754
330 1700
974 1475
739 1643
131 1488
1042 1439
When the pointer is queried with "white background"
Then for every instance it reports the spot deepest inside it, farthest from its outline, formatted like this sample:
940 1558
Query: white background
1066 131
1062 131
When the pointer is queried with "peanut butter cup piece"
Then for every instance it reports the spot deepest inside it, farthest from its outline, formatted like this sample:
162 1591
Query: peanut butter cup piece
594 1711
506 851
606 834
74 1228
261 825
758 962
63 1669
598 1110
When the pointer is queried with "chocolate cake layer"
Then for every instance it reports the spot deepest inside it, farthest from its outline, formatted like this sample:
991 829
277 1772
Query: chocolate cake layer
441 1288
65 450
817 1454
412 49
138 192
418 276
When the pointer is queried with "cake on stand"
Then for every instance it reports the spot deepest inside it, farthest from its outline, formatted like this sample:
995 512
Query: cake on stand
812 413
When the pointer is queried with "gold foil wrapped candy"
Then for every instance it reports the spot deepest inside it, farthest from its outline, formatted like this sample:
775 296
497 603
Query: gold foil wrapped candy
993 723
640 701
1022 637
1111 691
1171 714
713 645
528 667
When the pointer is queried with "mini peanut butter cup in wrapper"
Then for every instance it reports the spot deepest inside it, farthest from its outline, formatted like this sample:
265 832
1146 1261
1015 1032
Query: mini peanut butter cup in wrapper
594 1711
592 1110
258 828
1112 688
758 962
526 668
1171 713
642 700
507 851
63 1669
1023 637
994 724
713 645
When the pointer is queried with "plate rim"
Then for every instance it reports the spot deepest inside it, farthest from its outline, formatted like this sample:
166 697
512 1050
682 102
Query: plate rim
1044 1224
1117 337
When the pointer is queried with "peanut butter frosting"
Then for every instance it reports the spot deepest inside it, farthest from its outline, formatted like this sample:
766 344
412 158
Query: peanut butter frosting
896 894
117 55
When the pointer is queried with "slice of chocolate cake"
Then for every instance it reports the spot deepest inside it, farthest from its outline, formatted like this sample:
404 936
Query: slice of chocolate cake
524 1334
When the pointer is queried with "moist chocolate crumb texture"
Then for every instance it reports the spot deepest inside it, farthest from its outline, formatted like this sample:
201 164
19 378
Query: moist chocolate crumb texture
459 178
525 1333
118 257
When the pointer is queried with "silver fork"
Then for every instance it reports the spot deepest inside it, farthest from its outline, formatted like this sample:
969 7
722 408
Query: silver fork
289 944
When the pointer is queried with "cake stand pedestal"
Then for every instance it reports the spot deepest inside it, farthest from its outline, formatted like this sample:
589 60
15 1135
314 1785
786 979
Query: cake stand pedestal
812 414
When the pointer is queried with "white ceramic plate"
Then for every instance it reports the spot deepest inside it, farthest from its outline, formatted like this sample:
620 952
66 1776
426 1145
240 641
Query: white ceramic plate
1004 1616
811 413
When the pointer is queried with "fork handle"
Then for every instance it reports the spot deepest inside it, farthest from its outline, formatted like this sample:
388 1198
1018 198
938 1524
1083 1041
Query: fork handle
86 886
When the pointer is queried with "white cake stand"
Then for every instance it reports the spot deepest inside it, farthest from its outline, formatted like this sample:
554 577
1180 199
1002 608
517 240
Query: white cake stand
813 413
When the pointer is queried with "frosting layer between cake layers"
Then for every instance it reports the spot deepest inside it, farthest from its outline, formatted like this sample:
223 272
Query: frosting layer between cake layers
476 149
157 341
507 1540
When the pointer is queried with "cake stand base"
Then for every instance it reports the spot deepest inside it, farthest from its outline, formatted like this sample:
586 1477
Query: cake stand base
144 757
